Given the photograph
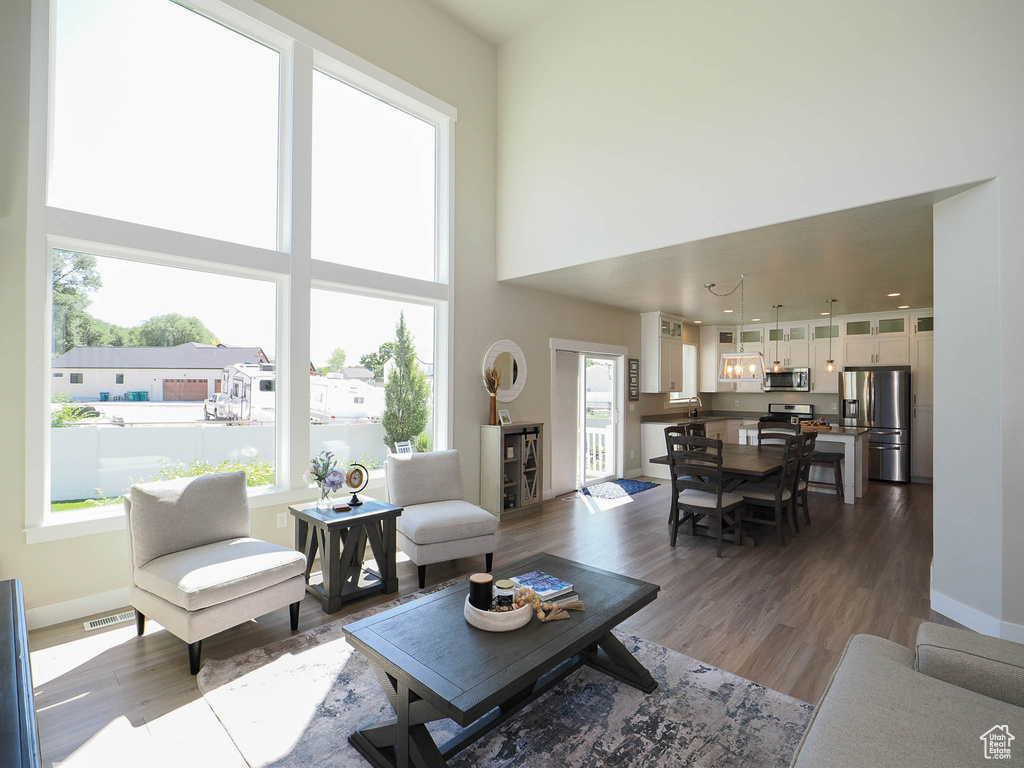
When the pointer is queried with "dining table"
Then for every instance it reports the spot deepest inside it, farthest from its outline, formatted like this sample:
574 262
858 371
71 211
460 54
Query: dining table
740 463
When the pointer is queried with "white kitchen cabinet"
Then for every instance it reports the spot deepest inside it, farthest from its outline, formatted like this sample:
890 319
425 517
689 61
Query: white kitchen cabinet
820 330
715 341
718 429
922 435
661 356
788 332
652 445
876 350
820 381
795 354
922 322
732 431
922 375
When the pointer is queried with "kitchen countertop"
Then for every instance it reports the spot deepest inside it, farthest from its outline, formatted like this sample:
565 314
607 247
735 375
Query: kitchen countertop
836 431
678 417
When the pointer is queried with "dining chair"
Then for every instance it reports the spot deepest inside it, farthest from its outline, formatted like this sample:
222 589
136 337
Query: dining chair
776 491
807 445
775 433
695 466
700 429
833 459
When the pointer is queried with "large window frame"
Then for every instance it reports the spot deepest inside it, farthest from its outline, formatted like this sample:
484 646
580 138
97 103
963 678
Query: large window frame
290 265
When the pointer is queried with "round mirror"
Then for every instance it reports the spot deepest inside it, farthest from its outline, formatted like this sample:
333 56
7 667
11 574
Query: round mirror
508 359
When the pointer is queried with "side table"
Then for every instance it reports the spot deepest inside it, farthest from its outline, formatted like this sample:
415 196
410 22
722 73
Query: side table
341 539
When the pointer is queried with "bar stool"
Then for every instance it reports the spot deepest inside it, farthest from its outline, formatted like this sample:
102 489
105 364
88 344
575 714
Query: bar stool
834 460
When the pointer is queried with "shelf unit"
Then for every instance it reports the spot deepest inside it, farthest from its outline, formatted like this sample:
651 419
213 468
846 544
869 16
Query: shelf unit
511 486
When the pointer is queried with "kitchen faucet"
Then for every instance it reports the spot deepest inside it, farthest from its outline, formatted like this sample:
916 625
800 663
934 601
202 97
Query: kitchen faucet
693 411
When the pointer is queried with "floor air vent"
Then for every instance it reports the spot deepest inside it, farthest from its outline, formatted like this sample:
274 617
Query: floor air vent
108 620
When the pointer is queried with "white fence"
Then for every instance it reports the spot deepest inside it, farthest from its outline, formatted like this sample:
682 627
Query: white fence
597 452
86 458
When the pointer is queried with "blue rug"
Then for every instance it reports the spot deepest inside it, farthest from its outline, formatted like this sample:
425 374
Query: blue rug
616 489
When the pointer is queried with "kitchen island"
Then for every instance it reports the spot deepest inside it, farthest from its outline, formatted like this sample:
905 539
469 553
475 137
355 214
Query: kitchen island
852 442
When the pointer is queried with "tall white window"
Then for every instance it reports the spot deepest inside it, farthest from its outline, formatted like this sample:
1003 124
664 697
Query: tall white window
195 285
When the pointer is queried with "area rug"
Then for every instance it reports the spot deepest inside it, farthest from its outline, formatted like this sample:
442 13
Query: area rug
294 703
616 489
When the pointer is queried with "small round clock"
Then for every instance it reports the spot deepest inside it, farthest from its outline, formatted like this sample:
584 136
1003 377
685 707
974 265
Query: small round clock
356 478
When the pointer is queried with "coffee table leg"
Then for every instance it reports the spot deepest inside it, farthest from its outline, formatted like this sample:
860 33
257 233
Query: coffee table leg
403 741
619 663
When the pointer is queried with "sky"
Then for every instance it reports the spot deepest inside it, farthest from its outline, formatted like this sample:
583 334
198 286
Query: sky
186 138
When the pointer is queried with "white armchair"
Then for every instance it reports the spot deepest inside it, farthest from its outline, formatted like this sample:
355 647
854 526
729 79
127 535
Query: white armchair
436 523
195 569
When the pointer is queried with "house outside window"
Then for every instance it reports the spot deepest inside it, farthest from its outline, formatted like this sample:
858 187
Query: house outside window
200 240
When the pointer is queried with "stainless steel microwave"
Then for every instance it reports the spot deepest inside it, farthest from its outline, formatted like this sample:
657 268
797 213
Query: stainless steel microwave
788 380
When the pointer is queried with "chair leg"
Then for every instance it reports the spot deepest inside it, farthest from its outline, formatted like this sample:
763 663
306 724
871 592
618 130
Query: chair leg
673 520
489 560
807 512
293 614
837 471
794 522
194 649
738 525
778 525
720 521
423 576
140 622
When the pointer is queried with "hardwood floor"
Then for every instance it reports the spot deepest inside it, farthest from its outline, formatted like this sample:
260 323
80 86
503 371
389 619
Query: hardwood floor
779 616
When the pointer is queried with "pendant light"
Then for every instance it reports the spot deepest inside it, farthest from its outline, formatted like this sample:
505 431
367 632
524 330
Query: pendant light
830 364
739 366
777 366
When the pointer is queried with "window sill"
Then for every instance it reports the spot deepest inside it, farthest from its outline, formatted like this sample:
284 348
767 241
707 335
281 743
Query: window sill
70 525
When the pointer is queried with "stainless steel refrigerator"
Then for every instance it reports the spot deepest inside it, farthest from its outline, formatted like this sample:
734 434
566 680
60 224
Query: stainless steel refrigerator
877 398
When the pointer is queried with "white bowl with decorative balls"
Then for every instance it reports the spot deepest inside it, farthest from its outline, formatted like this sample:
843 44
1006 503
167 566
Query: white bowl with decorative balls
498 621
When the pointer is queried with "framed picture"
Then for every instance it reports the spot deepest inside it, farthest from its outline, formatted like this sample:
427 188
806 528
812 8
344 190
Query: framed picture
634 379
504 418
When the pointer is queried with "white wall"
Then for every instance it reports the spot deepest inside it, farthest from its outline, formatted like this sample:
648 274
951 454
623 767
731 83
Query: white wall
151 380
630 126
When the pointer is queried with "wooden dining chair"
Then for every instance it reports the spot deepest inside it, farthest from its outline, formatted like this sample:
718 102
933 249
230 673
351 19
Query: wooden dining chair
776 491
775 433
700 429
695 465
807 445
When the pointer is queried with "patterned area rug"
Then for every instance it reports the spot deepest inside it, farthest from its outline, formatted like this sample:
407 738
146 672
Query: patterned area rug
616 489
294 703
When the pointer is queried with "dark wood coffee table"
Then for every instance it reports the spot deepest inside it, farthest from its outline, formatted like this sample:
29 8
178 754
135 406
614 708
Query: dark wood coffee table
341 539
434 665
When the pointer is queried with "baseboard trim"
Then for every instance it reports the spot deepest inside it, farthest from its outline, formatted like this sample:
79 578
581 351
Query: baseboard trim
79 608
975 619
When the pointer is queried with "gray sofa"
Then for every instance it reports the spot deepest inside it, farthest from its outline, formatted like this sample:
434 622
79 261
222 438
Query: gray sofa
437 523
886 705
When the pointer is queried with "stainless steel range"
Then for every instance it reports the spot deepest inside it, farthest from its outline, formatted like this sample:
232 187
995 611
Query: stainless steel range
793 413
878 399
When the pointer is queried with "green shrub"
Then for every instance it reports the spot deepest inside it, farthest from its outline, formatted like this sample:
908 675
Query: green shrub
257 472
67 414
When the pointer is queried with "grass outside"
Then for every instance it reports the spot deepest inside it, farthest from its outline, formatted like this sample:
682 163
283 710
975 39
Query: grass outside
66 506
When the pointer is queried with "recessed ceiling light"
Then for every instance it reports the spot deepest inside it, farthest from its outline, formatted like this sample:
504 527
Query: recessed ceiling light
823 314
755 319
697 322
891 295
729 311
904 306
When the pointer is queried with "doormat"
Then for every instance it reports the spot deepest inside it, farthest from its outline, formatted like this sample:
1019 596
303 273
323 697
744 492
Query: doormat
616 489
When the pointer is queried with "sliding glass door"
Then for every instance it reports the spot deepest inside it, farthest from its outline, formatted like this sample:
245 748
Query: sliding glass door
598 400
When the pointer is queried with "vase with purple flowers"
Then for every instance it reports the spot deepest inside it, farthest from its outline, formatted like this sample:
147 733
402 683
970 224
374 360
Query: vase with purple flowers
323 471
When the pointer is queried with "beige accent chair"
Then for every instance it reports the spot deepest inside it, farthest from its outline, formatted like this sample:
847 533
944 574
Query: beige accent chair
889 706
194 567
437 523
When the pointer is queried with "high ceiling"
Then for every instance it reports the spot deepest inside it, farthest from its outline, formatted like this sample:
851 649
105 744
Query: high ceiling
497 21
857 256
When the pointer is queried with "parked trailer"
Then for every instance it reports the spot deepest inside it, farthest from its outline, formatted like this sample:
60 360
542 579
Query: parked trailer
251 392
333 398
